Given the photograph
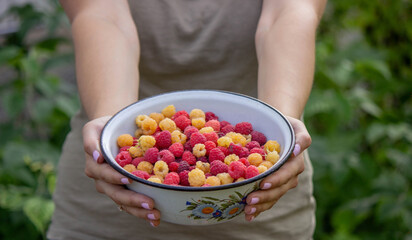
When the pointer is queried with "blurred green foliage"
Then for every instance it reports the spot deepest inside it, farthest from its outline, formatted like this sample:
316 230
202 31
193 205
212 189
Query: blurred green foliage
359 116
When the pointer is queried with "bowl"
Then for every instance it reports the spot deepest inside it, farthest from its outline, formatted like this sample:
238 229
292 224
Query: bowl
200 205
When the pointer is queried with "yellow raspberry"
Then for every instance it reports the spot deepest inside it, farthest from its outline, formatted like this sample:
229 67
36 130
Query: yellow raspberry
240 179
155 179
197 113
237 138
230 158
125 140
271 146
197 178
157 117
248 138
213 181
149 126
161 168
206 130
145 166
138 133
168 125
178 136
139 120
146 142
267 164
255 159
199 150
205 167
262 168
169 111
130 168
136 151
224 141
198 122
225 178
272 157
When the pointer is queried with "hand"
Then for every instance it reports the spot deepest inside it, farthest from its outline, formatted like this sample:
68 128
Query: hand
110 182
274 186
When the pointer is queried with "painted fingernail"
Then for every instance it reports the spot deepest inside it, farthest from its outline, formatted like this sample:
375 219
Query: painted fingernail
266 186
96 155
252 211
254 200
251 219
296 150
151 216
145 206
153 225
125 180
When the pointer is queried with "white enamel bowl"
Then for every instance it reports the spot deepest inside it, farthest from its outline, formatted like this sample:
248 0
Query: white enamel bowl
200 205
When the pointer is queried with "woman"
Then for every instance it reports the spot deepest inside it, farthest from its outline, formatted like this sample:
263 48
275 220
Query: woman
131 50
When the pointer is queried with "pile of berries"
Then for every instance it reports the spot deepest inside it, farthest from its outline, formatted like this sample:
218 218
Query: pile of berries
194 149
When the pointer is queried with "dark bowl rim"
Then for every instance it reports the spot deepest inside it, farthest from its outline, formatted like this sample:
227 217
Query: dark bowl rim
274 168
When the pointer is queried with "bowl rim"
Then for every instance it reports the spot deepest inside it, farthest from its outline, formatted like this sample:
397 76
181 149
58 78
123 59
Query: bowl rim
274 168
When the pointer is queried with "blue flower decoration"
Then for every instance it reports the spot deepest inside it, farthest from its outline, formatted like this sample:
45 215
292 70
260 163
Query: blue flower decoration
205 210
233 210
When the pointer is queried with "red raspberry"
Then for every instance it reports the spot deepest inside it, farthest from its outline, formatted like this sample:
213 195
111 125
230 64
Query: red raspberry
177 149
251 171
203 159
211 136
252 144
259 150
224 150
216 154
183 166
163 139
187 146
123 158
237 169
180 113
224 124
173 166
189 130
189 157
166 156
196 138
214 124
234 148
125 148
209 145
138 160
184 178
182 122
151 155
141 174
211 116
244 152
191 168
172 178
258 137
244 128
227 129
244 161
217 167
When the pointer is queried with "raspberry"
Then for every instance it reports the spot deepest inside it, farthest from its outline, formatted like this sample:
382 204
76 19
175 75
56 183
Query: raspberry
139 120
244 161
251 171
205 167
181 113
130 168
146 142
255 159
258 150
272 157
189 157
217 167
214 124
267 164
198 123
244 152
125 140
199 150
234 149
216 154
172 178
196 178
224 124
224 141
178 136
154 179
230 158
166 156
160 169
258 137
237 138
225 178
196 138
206 130
163 139
262 168
237 169
151 155
252 144
123 158
169 111
184 178
182 122
197 113
244 128
141 174
137 160
157 117
138 133
240 179
211 116
177 149
125 148
271 146
224 150
203 159
187 146
189 131
173 166
149 126
227 129
167 124
211 136
183 166
145 166
136 151
209 145
213 181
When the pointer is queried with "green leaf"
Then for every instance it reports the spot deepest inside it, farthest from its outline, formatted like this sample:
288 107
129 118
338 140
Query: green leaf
7 53
39 211
67 105
12 102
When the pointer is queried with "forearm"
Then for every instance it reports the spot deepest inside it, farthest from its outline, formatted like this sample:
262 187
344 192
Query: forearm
286 54
106 66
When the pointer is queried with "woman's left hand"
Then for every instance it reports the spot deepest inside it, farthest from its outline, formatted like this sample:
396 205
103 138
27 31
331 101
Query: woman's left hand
274 186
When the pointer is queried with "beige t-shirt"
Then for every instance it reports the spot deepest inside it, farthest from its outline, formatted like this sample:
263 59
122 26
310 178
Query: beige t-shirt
185 44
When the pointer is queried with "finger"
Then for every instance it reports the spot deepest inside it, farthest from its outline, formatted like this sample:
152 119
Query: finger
91 136
303 139
105 172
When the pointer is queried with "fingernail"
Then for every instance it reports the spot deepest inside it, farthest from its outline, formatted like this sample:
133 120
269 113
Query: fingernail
251 219
153 225
296 151
252 211
145 206
151 216
125 180
96 155
254 200
266 186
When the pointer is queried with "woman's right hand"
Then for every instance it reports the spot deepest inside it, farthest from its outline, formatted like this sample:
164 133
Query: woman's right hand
110 182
